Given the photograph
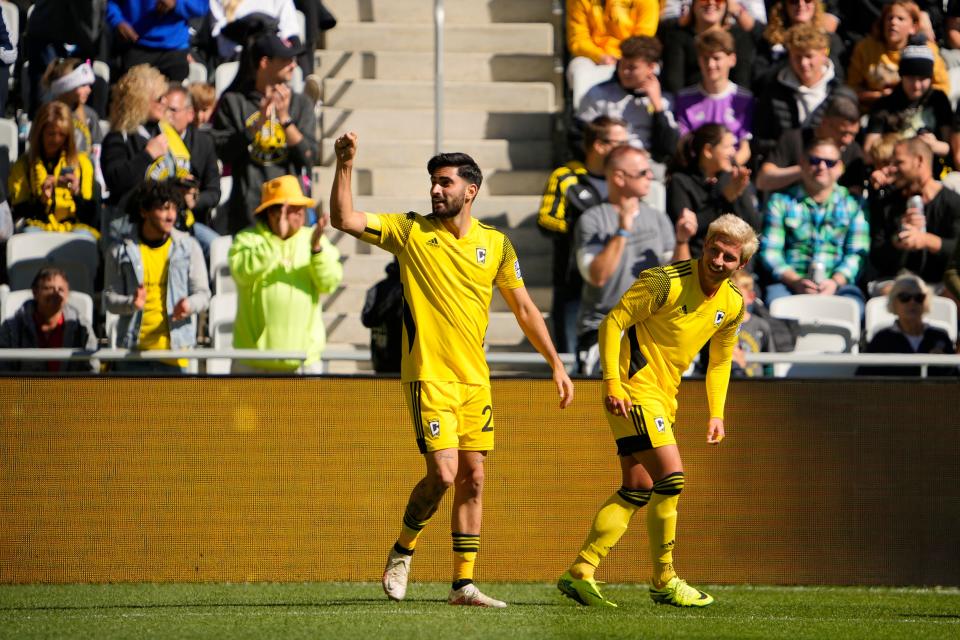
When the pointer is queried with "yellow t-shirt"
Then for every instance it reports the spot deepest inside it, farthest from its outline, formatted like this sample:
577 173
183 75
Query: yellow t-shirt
447 287
665 319
154 327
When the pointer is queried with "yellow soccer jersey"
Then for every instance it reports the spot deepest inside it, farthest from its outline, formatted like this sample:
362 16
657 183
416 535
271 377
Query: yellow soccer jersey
447 287
653 334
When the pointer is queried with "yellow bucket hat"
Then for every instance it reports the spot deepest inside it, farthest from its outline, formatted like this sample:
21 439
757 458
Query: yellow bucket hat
283 190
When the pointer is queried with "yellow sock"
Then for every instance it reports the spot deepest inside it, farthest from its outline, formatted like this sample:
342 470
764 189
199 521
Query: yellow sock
410 531
662 526
466 546
609 525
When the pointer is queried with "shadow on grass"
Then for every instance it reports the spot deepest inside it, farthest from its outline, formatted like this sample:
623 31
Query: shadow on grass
253 605
945 616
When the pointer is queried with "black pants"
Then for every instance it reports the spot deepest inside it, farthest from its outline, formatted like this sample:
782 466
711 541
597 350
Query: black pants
171 63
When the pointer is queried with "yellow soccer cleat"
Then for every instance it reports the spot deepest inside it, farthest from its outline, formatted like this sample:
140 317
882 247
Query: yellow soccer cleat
678 593
584 591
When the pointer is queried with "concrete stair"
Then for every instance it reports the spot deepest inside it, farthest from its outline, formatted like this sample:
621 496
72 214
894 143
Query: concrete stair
416 182
419 66
467 12
502 80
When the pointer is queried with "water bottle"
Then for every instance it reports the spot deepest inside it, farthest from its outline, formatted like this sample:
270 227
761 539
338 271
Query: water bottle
916 202
23 127
818 272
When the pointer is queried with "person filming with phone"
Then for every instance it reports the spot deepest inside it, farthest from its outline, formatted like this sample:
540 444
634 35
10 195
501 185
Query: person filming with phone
51 186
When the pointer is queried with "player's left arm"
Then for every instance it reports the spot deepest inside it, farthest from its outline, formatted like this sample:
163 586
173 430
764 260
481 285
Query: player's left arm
718 375
531 321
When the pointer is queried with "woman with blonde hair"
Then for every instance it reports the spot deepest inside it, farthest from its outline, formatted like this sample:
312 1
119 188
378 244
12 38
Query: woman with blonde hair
909 300
51 186
142 143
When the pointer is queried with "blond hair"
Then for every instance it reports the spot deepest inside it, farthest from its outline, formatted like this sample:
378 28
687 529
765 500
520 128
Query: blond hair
804 37
133 95
909 282
776 31
202 94
53 114
737 231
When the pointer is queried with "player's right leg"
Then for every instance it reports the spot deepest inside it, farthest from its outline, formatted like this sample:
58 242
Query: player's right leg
608 527
435 429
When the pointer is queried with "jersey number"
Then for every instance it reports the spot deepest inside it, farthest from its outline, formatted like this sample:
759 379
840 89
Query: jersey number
487 409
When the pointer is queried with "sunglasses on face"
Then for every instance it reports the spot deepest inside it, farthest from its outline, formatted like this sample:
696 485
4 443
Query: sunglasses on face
915 297
816 160
646 173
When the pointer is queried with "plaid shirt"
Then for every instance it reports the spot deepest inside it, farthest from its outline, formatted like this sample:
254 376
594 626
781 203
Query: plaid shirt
798 232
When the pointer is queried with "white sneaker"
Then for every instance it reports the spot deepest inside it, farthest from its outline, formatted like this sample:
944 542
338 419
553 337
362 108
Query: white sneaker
395 575
470 596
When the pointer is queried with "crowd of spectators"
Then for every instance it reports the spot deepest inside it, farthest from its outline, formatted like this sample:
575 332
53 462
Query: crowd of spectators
830 127
118 145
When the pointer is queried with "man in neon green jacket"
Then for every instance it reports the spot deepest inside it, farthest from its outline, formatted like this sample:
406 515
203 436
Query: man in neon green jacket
281 267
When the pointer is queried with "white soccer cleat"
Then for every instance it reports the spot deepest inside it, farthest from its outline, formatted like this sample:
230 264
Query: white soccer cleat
395 575
470 596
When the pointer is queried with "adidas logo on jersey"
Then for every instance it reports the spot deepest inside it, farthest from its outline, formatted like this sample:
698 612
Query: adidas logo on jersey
432 242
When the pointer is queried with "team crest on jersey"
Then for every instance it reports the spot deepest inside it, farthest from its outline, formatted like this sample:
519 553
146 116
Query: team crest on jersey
434 428
717 319
516 269
661 424
481 255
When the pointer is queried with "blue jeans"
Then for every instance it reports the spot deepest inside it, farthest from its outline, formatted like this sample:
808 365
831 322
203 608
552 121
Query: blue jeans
780 290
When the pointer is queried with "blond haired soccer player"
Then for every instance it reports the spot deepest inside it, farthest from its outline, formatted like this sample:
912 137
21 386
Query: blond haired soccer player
646 342
449 266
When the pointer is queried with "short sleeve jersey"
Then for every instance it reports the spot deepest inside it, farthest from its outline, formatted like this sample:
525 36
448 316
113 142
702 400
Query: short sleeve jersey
447 287
666 320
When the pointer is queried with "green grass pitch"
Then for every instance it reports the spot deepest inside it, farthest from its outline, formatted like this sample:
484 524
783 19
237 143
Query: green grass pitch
360 610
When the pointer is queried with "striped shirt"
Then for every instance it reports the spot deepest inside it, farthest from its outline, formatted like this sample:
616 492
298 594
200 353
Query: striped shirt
799 232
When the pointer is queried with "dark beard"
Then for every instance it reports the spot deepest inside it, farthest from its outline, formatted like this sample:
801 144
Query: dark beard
452 212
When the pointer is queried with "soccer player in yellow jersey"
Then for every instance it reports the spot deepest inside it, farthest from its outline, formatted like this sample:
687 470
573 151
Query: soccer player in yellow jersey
646 342
449 266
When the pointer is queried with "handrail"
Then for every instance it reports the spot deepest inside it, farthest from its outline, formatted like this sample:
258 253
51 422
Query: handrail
438 23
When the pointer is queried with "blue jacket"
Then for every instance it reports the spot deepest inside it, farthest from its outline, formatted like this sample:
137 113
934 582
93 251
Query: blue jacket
168 31
186 277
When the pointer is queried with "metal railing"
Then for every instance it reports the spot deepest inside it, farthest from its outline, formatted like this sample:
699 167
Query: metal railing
438 22
525 359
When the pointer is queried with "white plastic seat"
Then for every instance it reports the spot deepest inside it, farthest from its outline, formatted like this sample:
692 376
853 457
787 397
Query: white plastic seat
821 314
197 74
943 315
79 300
101 69
11 19
224 74
75 253
9 139
220 316
301 25
4 292
220 277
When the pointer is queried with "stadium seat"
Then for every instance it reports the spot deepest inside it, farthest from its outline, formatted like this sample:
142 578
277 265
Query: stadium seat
110 327
198 74
822 314
101 69
79 300
75 253
220 278
9 139
223 310
4 292
11 19
224 74
943 314
828 324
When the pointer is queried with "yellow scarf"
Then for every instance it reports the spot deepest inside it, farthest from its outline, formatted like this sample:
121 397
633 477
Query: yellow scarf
172 165
62 211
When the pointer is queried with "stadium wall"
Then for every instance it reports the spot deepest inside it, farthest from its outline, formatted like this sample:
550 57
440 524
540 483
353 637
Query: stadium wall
305 479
